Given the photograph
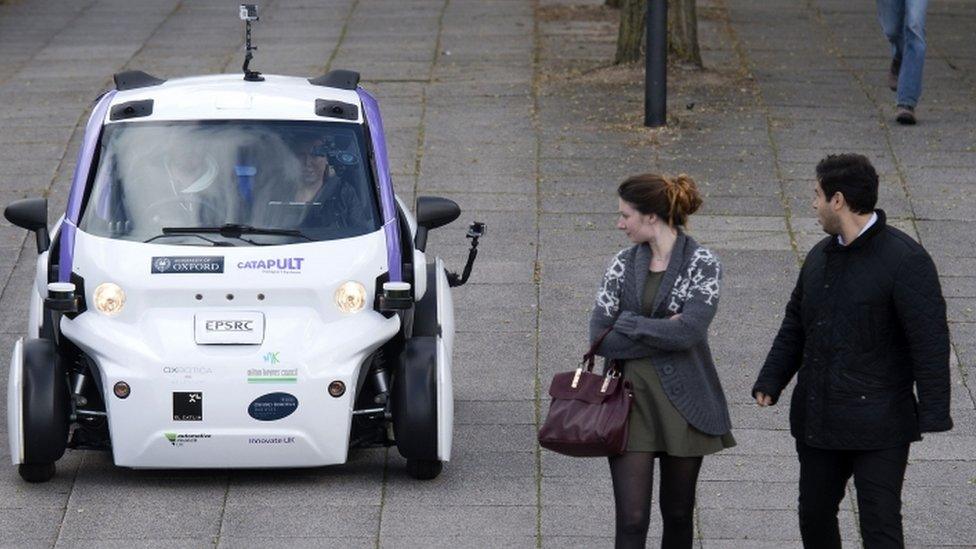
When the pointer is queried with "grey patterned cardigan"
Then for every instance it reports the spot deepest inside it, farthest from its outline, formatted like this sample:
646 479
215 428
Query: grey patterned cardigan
678 348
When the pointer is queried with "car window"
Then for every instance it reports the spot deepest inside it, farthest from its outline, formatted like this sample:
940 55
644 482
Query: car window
308 176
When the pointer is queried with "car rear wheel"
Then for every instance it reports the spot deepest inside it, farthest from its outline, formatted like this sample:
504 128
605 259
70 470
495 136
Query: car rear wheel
424 469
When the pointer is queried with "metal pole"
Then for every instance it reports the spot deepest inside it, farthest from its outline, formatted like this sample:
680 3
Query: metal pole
656 64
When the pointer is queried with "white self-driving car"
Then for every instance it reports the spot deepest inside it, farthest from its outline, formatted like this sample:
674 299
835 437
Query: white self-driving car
234 284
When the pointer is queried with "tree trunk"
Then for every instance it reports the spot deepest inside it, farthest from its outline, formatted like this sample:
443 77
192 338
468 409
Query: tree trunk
612 3
683 32
631 31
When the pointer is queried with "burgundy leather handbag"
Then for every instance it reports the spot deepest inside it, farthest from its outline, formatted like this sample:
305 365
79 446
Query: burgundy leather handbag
589 413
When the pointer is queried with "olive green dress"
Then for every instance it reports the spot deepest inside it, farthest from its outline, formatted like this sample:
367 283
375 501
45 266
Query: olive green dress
655 424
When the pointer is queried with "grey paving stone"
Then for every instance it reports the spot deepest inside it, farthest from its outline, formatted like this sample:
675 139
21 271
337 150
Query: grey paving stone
468 540
159 543
310 542
300 519
747 495
764 525
145 520
30 524
452 489
458 520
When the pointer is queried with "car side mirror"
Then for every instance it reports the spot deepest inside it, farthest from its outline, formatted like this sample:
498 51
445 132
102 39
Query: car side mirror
31 214
433 212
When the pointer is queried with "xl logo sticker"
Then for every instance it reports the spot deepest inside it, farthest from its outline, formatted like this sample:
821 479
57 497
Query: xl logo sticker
188 406
273 406
182 264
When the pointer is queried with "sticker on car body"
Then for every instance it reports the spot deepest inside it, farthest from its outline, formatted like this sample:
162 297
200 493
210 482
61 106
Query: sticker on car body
187 406
187 264
273 406
229 328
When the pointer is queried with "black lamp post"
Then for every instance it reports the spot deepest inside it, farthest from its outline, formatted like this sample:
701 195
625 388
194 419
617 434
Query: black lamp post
656 64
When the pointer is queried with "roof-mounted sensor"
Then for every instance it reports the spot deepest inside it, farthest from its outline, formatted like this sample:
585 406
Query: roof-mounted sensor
131 80
338 78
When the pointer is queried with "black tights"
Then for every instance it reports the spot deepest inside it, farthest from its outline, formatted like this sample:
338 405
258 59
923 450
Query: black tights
633 483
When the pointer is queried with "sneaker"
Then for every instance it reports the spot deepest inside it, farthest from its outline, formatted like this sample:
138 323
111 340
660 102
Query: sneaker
893 74
906 115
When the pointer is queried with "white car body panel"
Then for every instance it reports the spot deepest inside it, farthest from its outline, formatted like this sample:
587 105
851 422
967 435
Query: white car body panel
445 358
15 398
308 343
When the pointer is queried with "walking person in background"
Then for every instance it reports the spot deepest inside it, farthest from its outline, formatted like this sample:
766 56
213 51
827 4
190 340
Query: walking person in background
659 296
865 323
903 22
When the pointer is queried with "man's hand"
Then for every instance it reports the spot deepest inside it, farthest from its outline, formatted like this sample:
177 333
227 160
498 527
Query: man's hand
763 399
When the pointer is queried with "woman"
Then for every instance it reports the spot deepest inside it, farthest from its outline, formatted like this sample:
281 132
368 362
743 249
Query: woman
659 296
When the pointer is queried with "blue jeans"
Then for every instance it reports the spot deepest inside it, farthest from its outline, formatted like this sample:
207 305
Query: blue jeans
903 22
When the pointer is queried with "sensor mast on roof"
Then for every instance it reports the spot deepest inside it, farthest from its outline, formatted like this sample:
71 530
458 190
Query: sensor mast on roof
248 13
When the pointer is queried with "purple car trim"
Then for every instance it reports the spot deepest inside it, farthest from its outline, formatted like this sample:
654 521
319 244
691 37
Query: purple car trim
372 112
78 182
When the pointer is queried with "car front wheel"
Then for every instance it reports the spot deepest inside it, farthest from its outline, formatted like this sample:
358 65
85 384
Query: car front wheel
424 469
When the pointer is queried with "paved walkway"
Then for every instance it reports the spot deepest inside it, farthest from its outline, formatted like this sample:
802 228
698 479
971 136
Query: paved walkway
506 107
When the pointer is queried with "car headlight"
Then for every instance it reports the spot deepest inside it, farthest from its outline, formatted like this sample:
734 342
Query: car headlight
350 297
109 299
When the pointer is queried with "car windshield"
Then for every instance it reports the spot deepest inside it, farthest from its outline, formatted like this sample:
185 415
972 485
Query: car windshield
284 182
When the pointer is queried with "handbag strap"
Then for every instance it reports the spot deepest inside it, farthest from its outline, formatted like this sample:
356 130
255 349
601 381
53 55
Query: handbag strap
590 355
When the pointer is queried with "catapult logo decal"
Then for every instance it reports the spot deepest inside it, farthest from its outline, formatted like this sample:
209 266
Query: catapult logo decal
188 406
273 265
183 264
273 406
183 439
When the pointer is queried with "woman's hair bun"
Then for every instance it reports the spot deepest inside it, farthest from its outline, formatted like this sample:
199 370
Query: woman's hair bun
685 198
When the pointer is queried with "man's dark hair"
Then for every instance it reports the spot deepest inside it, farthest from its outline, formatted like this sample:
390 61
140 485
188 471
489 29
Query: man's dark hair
851 175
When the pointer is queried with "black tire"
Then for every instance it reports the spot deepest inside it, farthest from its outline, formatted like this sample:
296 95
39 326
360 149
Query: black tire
36 472
424 469
414 399
46 407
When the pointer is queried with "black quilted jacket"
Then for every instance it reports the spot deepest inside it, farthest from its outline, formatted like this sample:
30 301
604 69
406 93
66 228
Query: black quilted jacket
865 323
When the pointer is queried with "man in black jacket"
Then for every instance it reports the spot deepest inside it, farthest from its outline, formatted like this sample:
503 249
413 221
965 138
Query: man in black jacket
865 323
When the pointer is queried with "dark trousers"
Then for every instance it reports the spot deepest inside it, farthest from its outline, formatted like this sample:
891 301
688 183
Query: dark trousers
878 477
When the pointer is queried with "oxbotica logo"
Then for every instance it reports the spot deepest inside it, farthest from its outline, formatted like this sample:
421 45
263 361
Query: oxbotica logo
273 265
182 439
